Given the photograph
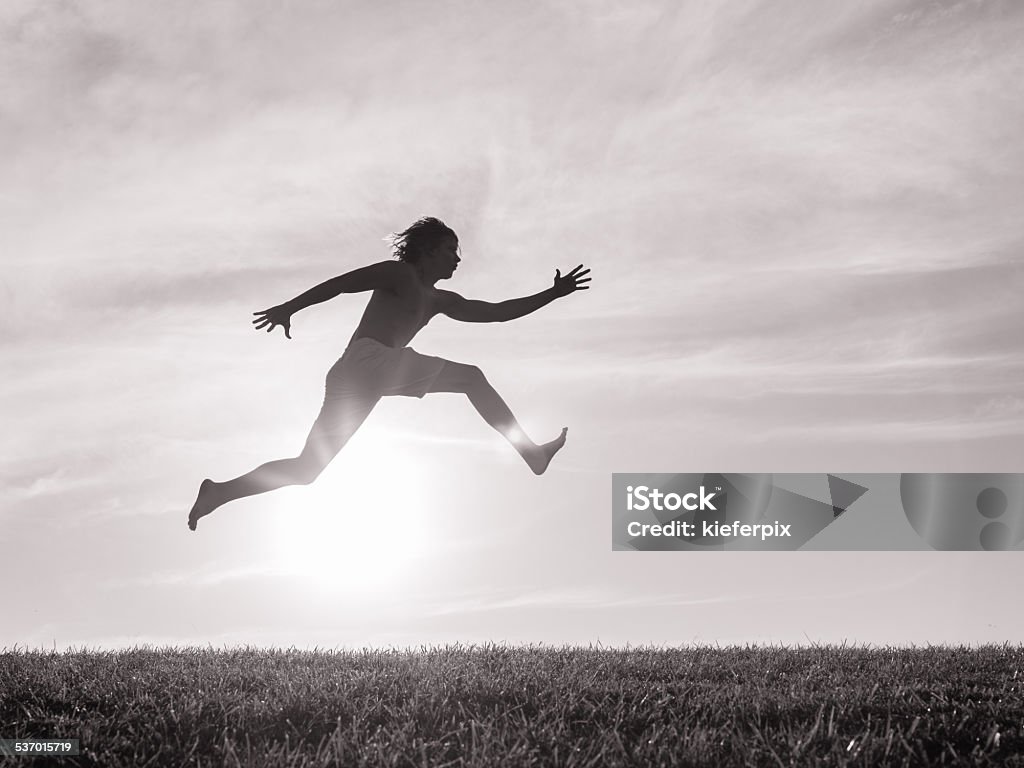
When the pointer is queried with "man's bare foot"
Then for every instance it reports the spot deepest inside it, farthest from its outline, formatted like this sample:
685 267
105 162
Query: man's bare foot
539 458
205 503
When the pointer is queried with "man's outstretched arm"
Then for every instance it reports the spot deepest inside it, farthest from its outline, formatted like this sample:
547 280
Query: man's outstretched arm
473 311
385 274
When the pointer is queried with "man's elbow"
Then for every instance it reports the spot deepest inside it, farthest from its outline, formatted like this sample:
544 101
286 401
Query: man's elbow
486 317
480 312
501 312
485 312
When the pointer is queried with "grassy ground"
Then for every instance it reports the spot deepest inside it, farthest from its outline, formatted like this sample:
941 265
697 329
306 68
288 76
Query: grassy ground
495 705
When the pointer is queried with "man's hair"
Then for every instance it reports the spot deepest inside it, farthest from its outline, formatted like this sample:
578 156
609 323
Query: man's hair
425 235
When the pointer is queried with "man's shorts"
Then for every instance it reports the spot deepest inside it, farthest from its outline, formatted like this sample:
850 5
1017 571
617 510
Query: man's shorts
367 371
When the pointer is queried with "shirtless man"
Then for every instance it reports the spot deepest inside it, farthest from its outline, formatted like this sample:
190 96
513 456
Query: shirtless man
377 361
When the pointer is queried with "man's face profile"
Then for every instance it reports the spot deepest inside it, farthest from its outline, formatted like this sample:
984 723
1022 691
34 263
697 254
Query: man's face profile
445 257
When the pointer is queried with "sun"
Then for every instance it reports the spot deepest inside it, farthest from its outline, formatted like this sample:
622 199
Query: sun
362 526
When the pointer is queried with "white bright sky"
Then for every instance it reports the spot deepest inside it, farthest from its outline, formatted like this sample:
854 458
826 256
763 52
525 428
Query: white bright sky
803 220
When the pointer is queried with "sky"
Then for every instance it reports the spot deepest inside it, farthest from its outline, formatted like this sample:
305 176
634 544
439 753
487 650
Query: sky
803 224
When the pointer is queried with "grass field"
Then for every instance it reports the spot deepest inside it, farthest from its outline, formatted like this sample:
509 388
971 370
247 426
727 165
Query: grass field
498 705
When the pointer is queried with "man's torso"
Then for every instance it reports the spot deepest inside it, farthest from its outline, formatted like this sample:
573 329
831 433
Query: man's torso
395 317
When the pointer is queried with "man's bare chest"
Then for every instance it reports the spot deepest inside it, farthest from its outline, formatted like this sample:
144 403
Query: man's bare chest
412 307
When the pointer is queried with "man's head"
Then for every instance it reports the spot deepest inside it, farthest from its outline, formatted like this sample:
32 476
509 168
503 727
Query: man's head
431 247
422 239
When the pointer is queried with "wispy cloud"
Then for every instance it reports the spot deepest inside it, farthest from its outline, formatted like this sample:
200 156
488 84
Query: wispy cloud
197 577
610 598
569 599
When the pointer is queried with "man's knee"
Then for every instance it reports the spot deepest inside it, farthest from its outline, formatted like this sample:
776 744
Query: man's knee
472 377
459 377
308 467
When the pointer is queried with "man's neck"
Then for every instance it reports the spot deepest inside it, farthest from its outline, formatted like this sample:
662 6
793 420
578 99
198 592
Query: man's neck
425 280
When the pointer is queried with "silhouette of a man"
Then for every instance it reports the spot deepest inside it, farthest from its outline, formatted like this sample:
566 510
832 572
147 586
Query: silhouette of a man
377 361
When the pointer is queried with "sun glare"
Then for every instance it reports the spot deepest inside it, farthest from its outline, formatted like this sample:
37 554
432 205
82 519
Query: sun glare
361 526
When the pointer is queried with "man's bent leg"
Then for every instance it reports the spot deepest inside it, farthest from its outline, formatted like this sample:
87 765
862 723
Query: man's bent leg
470 380
333 427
